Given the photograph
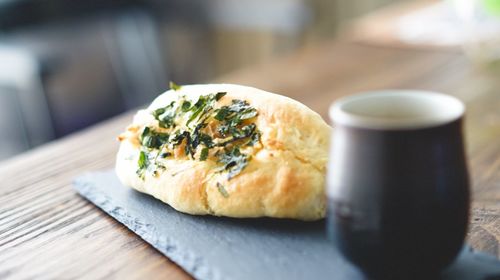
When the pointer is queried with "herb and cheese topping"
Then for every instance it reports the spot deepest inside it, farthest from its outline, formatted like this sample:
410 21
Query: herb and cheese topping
200 130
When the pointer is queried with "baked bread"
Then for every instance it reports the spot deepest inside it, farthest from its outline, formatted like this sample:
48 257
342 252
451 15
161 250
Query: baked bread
228 150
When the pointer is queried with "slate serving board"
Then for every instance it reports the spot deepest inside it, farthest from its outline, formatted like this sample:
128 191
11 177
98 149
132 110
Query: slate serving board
213 248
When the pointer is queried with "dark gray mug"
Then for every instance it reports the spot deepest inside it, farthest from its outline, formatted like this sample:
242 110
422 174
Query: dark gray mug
398 185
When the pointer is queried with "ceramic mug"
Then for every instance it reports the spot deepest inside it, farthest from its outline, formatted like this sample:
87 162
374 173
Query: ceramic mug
398 185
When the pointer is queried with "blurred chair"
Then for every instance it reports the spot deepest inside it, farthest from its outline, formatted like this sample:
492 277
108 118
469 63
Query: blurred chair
252 31
24 115
13 138
81 63
136 57
208 38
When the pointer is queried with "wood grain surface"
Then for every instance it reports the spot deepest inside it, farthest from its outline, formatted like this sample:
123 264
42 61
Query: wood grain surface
48 232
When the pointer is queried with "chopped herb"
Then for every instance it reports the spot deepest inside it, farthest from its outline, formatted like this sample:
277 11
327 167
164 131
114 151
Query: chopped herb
142 160
188 148
178 138
186 105
167 119
152 139
164 155
145 132
222 190
174 86
165 115
206 140
248 114
204 154
231 116
219 95
195 136
254 139
244 132
222 113
148 141
156 113
223 130
197 108
234 161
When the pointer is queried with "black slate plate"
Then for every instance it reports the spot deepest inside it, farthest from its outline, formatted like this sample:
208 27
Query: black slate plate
223 248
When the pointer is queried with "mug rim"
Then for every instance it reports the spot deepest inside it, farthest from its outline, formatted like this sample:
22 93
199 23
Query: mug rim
339 114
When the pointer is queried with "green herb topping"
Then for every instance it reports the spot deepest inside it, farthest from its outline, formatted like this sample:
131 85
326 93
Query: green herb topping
233 161
203 130
174 86
143 162
222 190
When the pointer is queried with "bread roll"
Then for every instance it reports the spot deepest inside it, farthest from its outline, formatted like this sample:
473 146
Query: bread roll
228 150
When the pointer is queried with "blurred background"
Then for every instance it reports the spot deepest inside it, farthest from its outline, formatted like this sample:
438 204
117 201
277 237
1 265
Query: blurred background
65 65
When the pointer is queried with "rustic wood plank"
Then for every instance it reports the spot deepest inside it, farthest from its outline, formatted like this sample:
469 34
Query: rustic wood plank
48 231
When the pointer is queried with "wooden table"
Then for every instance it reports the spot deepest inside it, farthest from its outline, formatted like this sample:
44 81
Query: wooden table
48 231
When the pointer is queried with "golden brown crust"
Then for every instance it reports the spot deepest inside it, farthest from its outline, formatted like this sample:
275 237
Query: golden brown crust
285 177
